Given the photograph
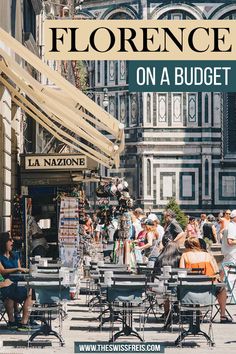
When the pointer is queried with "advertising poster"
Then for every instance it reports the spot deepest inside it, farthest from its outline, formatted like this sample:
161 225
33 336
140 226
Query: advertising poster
139 94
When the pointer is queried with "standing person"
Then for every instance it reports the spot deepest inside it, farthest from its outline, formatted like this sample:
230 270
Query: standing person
88 226
98 232
136 220
224 222
160 229
173 231
192 229
157 246
229 241
209 230
218 227
38 242
203 220
141 239
151 236
138 212
109 229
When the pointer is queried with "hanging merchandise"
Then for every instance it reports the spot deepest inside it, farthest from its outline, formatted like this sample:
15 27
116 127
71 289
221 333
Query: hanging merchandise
125 226
17 222
116 192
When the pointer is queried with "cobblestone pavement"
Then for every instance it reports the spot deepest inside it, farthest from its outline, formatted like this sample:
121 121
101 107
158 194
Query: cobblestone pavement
81 325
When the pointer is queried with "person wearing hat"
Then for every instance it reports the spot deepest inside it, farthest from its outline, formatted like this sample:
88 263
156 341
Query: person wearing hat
157 244
229 240
159 228
141 238
150 238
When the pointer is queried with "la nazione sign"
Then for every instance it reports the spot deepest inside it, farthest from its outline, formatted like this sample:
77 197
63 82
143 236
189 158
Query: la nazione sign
58 162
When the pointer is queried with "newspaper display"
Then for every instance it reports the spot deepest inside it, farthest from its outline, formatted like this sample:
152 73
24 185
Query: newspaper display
68 233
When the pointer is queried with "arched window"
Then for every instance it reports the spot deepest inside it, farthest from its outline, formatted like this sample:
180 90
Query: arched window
149 178
206 177
176 14
149 119
206 109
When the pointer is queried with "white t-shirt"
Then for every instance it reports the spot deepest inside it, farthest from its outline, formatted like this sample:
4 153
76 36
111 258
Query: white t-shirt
201 228
161 232
229 251
137 226
99 227
112 227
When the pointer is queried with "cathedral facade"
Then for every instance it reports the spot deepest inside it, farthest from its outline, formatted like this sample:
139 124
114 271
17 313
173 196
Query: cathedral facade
180 145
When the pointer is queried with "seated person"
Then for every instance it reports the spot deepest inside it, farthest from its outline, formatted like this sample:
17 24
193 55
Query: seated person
11 293
9 262
196 257
169 256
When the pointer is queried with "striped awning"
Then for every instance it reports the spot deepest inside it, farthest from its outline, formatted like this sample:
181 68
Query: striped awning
67 113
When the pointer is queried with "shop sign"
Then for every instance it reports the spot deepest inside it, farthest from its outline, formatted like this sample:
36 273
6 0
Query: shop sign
56 162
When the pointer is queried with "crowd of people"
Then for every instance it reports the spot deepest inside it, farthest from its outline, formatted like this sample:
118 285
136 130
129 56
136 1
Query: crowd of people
154 244
150 234
175 246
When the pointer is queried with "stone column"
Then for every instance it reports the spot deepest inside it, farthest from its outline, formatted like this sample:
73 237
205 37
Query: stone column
5 159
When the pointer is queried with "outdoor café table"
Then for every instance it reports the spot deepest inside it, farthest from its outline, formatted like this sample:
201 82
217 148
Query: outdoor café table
49 293
17 277
122 298
128 277
112 265
171 289
35 275
50 266
194 277
171 283
48 270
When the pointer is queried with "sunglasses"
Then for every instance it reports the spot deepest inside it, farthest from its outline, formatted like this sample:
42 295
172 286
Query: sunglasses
227 213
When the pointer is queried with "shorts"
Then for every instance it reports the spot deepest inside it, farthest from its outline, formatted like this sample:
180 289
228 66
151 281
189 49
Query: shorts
14 292
219 290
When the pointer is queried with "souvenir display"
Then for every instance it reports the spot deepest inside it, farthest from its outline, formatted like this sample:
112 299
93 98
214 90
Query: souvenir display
68 233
